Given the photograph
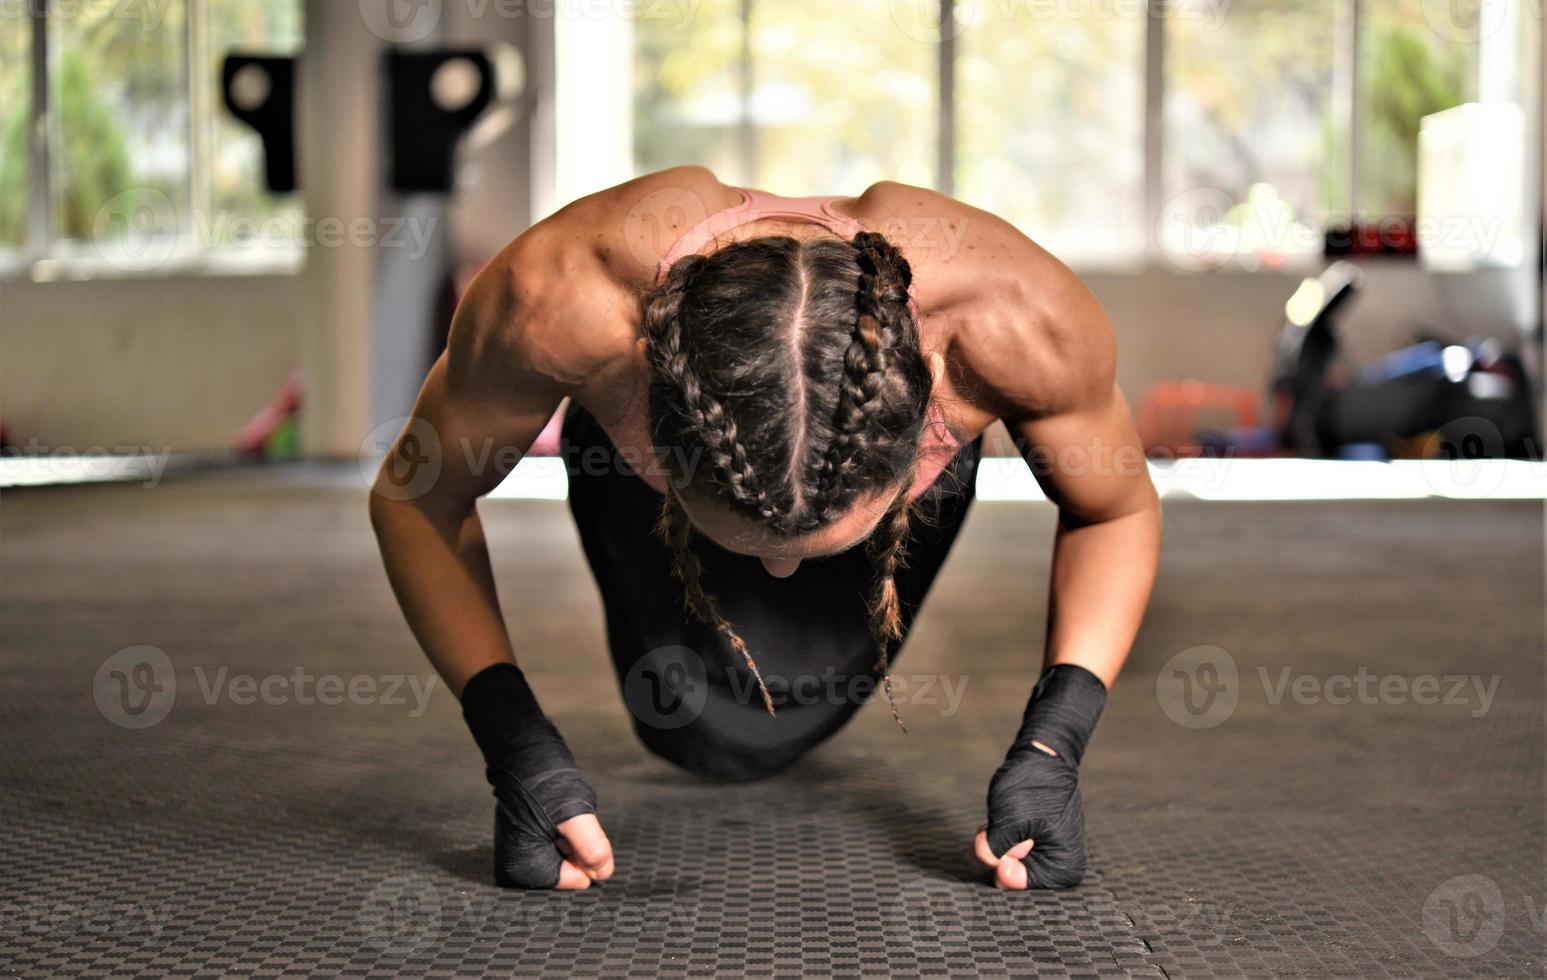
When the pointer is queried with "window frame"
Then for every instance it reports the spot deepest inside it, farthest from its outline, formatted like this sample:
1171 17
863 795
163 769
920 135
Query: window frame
46 258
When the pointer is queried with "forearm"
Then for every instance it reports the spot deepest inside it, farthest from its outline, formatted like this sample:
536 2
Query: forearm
1100 585
438 564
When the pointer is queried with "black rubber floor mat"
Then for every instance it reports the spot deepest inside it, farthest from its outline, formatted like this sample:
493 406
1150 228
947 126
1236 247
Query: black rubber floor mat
1294 834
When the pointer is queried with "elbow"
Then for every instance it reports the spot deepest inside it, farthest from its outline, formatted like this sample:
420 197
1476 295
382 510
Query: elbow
388 497
379 508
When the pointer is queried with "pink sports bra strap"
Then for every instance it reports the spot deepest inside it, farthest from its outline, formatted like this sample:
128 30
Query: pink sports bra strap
754 206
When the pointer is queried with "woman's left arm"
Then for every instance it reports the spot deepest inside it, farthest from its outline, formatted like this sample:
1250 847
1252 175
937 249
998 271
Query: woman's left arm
1044 353
1089 462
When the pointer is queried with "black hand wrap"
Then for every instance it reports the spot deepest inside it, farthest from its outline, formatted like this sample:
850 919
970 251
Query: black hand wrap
1035 796
533 774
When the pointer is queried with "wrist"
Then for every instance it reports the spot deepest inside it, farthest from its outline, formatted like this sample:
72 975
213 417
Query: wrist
502 713
1063 711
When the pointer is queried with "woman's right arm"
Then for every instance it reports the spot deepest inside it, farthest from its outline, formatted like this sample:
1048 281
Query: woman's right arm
480 407
515 351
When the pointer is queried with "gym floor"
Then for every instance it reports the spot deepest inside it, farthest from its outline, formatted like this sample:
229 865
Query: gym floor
1310 805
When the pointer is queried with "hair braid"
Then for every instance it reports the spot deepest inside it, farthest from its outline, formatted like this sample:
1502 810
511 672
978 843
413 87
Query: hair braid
719 348
676 530
888 552
883 326
701 411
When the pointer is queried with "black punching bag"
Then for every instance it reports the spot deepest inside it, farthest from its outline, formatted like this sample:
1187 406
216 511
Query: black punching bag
434 97
260 91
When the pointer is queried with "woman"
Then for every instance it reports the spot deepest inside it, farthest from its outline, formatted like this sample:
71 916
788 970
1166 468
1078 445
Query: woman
775 412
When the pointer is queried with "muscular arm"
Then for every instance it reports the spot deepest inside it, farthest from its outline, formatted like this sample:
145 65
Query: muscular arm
479 408
1107 546
1047 360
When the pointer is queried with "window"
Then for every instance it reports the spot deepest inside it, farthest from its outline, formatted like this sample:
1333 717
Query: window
1250 124
1050 122
15 113
1408 69
143 166
780 91
1205 133
234 164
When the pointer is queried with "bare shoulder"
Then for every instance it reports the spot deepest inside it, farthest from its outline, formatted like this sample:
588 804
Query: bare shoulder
1029 337
559 305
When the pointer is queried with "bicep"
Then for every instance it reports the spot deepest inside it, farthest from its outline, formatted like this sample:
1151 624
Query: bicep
1089 460
480 409
458 446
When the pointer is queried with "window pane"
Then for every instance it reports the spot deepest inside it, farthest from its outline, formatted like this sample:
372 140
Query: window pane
1251 138
119 109
1408 70
15 111
1050 122
687 90
842 97
830 116
242 211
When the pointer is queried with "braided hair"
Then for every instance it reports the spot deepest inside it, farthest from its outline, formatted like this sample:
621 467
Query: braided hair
794 371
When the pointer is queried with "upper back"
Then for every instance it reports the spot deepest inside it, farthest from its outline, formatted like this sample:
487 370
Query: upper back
563 299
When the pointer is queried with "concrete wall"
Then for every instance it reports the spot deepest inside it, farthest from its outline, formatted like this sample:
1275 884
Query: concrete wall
175 363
